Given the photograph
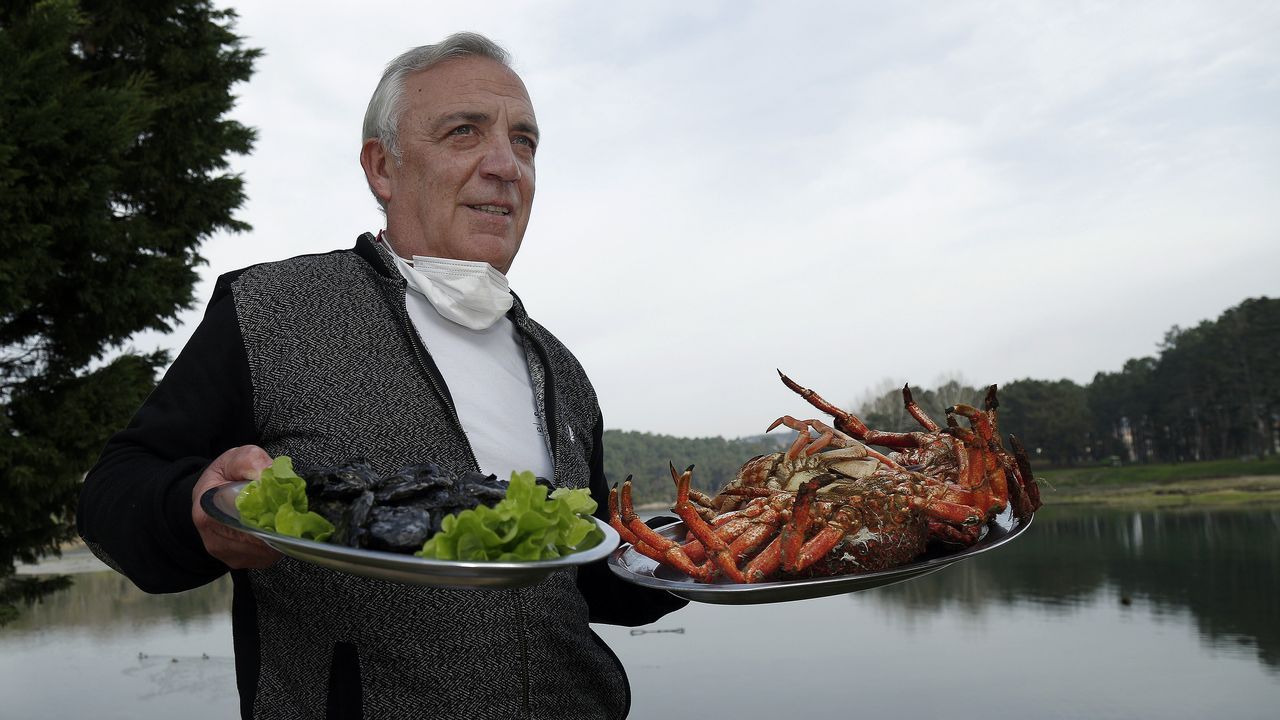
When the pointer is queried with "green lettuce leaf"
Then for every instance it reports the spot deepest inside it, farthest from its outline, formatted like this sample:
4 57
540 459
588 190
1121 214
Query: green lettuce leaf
526 525
277 501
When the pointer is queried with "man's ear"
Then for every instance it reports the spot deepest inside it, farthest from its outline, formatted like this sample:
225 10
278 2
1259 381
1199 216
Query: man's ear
377 163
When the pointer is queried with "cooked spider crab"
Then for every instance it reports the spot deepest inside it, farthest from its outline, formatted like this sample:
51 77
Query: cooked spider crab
832 505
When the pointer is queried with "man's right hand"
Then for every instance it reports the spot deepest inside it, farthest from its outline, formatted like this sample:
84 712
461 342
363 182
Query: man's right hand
238 550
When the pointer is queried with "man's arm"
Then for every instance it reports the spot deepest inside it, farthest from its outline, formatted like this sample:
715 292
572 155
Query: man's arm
611 599
136 506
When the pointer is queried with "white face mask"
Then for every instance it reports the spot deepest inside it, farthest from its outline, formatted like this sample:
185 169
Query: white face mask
470 293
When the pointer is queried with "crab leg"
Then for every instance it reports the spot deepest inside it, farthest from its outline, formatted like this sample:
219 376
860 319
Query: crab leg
989 404
742 529
981 421
976 441
846 446
650 543
818 547
824 541
916 412
617 517
753 537
845 421
704 504
765 565
848 423
751 492
794 532
731 525
711 542
802 446
949 512
967 535
1029 497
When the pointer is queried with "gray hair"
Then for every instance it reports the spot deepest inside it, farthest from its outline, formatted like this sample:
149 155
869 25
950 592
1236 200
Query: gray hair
382 118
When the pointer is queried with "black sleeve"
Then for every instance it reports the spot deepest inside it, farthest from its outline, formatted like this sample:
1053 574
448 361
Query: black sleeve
612 600
135 505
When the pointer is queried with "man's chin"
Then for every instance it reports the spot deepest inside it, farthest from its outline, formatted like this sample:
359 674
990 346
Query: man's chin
498 252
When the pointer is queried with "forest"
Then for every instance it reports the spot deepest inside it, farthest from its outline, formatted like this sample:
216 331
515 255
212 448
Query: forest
1211 392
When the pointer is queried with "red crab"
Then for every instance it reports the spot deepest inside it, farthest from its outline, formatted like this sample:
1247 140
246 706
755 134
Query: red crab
831 505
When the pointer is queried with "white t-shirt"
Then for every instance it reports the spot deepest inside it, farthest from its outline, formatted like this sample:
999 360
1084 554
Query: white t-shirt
488 379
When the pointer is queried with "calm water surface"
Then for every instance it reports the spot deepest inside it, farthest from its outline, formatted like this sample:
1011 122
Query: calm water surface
1087 615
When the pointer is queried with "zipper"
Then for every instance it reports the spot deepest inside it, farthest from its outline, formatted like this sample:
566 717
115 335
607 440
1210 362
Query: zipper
432 373
549 415
436 380
526 705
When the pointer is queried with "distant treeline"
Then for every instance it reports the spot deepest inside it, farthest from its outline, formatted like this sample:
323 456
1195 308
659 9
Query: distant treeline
1212 392
646 456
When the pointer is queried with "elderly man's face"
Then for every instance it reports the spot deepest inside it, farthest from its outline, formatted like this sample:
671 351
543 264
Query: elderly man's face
464 186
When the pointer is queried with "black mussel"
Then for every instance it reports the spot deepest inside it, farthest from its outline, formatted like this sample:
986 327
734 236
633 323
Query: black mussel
438 507
349 528
343 482
400 511
487 489
412 482
398 529
331 510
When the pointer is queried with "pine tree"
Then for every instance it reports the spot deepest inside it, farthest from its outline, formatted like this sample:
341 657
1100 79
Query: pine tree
114 146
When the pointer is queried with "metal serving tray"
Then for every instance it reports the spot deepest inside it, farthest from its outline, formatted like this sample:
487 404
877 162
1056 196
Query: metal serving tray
220 504
641 570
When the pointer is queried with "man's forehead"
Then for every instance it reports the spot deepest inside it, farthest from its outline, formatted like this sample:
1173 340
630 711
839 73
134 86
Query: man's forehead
479 105
467 83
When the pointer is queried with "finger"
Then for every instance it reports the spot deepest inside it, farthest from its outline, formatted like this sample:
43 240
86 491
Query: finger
234 548
240 550
243 556
245 463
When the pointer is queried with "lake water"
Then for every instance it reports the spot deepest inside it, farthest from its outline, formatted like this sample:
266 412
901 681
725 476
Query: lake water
1087 615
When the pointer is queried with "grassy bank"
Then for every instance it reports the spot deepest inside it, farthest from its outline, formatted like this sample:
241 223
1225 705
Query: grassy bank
1209 483
1199 484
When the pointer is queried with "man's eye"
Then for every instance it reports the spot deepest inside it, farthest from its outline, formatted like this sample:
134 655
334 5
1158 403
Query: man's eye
524 140
462 130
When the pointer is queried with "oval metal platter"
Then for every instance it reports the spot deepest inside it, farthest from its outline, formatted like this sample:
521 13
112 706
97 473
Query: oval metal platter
642 570
220 504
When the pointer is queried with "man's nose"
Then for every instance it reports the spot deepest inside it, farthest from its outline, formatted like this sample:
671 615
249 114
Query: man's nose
500 161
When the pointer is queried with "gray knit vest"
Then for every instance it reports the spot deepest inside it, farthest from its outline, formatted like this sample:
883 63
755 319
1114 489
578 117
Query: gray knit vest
336 374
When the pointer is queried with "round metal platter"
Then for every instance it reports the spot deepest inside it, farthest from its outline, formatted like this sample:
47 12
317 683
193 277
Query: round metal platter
220 504
642 570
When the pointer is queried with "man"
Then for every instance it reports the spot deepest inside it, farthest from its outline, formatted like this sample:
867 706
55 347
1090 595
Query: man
407 348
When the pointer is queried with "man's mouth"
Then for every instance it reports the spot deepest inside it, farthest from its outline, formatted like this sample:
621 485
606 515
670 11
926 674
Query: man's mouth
491 209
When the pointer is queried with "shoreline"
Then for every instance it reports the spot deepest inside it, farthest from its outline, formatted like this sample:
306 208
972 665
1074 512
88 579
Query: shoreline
1254 490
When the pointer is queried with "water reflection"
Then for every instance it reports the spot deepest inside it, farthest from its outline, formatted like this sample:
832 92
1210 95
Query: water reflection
102 604
1115 615
1088 614
1222 568
106 649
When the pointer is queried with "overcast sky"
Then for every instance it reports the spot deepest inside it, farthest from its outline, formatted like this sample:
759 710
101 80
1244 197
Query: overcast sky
858 193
